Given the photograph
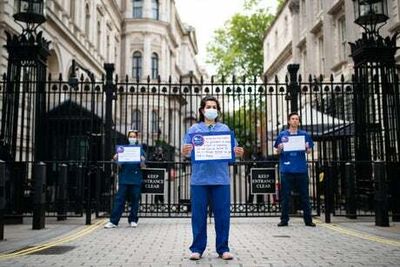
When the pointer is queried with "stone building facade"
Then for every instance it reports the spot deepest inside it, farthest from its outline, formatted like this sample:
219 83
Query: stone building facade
141 37
315 34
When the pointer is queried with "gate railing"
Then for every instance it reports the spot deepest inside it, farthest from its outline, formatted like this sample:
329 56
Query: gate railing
77 131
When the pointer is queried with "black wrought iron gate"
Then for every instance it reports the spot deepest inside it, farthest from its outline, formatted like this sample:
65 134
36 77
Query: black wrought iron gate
84 119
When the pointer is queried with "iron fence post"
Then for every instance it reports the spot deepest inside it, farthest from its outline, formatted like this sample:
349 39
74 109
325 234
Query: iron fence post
62 193
380 193
109 88
351 205
293 87
39 195
2 196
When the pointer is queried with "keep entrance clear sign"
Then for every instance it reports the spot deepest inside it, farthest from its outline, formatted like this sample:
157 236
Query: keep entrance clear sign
262 180
153 181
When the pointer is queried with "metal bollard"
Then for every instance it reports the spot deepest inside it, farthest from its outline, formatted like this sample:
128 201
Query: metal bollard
79 189
328 193
380 199
2 196
89 196
98 191
39 195
351 204
62 193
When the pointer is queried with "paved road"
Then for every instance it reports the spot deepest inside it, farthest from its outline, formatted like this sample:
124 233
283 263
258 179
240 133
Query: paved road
165 242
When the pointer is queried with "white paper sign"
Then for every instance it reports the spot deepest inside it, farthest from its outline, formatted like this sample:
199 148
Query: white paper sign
295 143
213 147
128 153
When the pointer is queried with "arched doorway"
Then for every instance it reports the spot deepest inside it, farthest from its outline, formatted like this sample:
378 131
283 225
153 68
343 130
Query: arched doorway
53 65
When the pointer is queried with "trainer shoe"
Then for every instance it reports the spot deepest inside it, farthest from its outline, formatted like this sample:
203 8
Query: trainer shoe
195 256
226 256
282 224
110 225
133 224
311 224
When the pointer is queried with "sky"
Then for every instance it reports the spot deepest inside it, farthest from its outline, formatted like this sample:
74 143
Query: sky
207 16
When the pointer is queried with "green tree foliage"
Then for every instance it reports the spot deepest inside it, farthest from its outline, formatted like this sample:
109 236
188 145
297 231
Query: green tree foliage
237 48
244 121
280 3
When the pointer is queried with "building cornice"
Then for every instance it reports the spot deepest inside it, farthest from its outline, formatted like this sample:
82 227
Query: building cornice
285 54
336 7
317 26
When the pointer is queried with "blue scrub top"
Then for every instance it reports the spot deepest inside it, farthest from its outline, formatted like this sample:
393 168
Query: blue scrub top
130 173
212 172
293 161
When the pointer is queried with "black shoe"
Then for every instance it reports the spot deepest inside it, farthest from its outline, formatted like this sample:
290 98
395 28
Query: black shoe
282 224
311 224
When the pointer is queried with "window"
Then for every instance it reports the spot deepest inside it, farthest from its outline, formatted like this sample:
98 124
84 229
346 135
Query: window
321 56
77 147
108 48
136 120
155 9
155 122
318 6
98 36
87 20
154 66
304 62
303 12
137 8
342 38
286 26
137 65
72 11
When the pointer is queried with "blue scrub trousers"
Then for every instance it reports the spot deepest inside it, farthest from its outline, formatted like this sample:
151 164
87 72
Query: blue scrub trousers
219 198
134 191
300 180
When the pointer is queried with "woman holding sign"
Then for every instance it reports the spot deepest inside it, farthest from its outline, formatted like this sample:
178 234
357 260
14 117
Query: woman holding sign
292 145
131 160
211 145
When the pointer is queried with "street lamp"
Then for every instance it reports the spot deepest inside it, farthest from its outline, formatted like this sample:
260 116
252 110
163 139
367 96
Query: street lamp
370 13
376 113
30 12
26 72
27 53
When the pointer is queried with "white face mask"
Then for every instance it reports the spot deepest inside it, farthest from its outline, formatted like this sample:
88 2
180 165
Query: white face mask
132 140
210 113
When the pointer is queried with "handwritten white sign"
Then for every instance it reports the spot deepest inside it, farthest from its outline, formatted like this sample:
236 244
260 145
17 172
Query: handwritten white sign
128 153
295 143
213 147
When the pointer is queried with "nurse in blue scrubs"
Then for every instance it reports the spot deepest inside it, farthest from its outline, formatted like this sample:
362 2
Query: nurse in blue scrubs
210 183
129 183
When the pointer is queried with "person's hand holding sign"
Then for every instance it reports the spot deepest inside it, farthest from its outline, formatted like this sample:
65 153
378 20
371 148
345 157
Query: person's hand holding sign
238 151
187 149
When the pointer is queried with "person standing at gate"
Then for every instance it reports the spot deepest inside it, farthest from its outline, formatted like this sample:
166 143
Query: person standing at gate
292 145
210 184
129 183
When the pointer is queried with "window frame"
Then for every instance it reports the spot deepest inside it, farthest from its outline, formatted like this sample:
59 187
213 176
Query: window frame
137 64
137 9
154 65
